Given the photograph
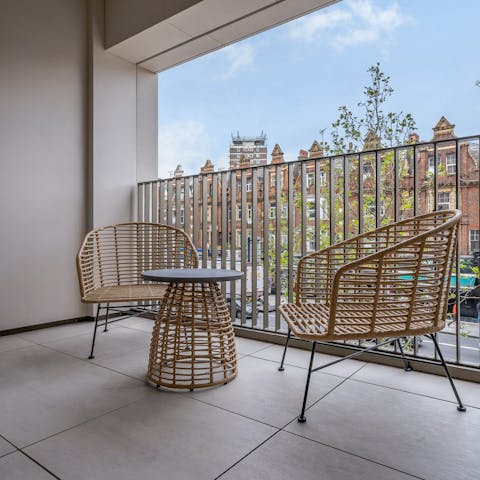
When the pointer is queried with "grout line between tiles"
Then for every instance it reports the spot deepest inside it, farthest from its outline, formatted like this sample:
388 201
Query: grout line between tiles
413 393
40 465
352 454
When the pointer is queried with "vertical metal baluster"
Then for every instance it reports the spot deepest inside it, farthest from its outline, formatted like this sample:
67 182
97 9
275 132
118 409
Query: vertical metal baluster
223 259
396 176
332 200
291 230
205 178
155 186
186 206
195 213
243 246
169 201
415 183
304 207
254 245
266 228
457 258
148 202
435 180
233 243
214 218
161 202
346 184
360 194
378 189
140 202
317 204
178 189
278 245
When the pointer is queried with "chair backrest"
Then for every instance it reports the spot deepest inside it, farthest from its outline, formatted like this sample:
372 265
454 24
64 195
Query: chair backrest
395 278
117 254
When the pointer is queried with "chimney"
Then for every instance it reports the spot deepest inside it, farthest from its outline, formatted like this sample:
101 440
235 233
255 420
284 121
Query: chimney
207 168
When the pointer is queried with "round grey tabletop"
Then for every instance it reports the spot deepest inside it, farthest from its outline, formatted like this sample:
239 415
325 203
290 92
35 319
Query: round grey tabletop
191 275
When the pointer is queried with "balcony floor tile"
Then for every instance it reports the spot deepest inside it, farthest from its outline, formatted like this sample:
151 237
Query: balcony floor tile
166 435
300 358
43 392
286 456
17 466
263 393
12 342
412 433
435 386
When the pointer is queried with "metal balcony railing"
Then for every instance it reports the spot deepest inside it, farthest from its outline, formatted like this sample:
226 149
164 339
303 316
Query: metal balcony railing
263 219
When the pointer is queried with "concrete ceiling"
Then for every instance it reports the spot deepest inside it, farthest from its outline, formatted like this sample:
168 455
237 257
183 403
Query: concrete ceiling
206 26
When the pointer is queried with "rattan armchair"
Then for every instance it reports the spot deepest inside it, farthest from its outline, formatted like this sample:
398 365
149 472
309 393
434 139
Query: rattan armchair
112 258
386 284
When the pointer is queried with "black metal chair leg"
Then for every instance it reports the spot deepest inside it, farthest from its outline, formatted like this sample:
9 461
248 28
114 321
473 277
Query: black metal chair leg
106 319
460 407
280 368
301 417
94 333
408 367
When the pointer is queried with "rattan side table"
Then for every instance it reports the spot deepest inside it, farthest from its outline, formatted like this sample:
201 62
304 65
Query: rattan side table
193 343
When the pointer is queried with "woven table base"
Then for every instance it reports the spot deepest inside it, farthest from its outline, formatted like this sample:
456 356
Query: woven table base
193 343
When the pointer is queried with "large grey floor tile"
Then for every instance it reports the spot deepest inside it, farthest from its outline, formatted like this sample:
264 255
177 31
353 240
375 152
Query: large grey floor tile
287 457
116 341
55 333
43 392
301 358
247 346
416 434
417 382
133 363
12 342
5 447
137 323
166 435
263 393
17 466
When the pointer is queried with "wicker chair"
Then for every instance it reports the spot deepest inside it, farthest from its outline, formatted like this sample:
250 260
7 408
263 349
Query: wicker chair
386 284
112 258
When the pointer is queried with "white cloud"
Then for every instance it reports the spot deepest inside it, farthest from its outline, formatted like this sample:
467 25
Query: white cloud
358 22
185 143
240 57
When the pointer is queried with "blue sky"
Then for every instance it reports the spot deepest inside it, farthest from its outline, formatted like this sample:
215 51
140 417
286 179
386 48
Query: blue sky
289 81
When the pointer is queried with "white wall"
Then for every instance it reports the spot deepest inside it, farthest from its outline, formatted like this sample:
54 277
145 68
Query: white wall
43 158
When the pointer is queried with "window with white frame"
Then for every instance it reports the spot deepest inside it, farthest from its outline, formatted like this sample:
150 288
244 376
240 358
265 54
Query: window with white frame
284 211
249 213
239 212
431 165
311 208
273 179
311 245
474 241
284 238
322 179
310 179
273 210
451 163
443 200
182 216
249 186
239 238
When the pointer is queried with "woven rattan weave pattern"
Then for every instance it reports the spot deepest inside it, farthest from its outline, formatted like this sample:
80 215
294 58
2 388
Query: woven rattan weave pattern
390 282
112 258
193 343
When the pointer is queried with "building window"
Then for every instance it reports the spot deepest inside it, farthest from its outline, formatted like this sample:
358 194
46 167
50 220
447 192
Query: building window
367 171
322 179
443 200
182 216
239 238
249 213
431 166
273 178
284 238
311 208
239 213
273 210
284 211
311 245
310 179
249 186
323 208
474 241
451 163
